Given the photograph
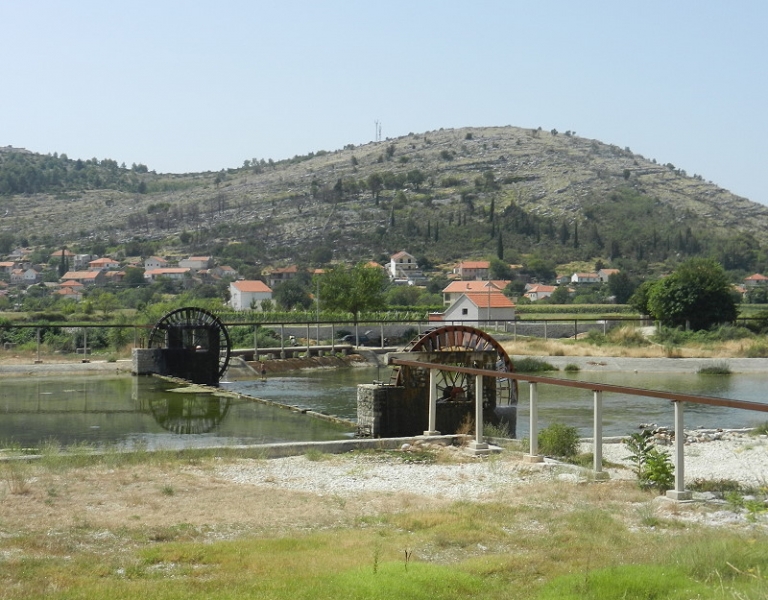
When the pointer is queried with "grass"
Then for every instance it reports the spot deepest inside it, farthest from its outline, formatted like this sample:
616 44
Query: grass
549 541
719 368
533 365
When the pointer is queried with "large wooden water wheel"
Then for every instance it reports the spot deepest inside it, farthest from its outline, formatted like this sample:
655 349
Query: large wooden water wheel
465 346
195 342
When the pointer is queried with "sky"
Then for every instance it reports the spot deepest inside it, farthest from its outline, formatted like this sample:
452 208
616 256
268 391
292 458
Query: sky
187 86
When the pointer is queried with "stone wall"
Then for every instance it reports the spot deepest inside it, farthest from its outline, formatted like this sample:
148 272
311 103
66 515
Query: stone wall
147 361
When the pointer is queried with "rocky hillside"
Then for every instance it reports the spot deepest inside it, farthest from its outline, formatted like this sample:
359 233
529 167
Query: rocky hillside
443 195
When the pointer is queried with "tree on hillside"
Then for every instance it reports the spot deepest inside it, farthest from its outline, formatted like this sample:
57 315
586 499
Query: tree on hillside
621 286
696 296
353 289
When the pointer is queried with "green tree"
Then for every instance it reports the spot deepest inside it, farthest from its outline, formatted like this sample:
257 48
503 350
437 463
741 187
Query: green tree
292 294
697 295
354 289
133 276
375 184
560 296
639 299
621 286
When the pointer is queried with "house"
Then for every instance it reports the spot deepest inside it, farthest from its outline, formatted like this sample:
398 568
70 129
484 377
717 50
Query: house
455 289
755 280
563 278
277 276
104 263
475 308
7 266
175 273
114 276
86 277
404 269
79 262
248 294
604 274
539 292
472 269
196 263
72 293
155 262
585 278
224 272
26 276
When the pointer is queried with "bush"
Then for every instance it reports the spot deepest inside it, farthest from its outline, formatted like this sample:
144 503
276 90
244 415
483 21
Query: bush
719 368
654 468
559 440
533 365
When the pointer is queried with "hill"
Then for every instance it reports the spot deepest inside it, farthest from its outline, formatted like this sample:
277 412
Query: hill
443 195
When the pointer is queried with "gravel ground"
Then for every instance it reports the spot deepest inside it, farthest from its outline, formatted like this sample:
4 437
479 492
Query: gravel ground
734 455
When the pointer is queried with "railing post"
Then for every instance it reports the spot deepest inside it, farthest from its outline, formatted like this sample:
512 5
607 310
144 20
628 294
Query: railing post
597 436
478 445
432 403
679 492
533 426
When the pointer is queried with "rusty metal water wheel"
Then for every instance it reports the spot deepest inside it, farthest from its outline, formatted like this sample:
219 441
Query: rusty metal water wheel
455 341
191 321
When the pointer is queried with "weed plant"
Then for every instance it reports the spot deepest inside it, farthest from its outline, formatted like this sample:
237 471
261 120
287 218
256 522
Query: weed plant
653 467
559 440
533 365
719 368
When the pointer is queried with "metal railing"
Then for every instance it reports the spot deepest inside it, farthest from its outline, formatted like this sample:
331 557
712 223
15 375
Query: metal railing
678 493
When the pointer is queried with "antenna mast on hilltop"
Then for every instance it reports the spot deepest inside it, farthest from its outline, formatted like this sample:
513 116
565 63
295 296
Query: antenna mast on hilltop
378 130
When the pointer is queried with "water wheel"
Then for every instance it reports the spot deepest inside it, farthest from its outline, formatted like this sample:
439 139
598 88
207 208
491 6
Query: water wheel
196 341
465 346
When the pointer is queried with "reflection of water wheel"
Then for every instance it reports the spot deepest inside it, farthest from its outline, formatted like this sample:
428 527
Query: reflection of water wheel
189 413
463 346
193 330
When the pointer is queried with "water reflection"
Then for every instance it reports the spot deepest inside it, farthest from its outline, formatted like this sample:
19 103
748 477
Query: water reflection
143 411
128 411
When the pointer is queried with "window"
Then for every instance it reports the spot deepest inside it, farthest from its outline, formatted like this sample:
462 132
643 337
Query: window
464 312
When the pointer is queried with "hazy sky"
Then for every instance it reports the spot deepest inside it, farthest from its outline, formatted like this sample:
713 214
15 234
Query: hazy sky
198 86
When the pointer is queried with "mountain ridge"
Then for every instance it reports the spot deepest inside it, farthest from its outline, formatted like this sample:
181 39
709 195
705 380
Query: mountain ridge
443 195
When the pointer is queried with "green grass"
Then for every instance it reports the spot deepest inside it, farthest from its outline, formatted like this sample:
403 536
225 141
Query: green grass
718 368
533 365
559 541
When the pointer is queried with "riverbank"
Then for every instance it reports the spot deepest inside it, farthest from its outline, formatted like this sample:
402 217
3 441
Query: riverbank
618 364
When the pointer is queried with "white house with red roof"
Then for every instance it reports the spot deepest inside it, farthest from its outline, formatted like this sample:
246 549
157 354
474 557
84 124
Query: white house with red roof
155 262
538 291
104 263
585 278
248 294
404 269
475 308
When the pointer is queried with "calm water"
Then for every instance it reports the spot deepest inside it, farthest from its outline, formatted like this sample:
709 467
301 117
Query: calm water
126 411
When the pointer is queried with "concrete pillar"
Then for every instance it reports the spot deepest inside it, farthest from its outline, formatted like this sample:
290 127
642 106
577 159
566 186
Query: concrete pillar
597 437
679 493
478 445
533 427
432 403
